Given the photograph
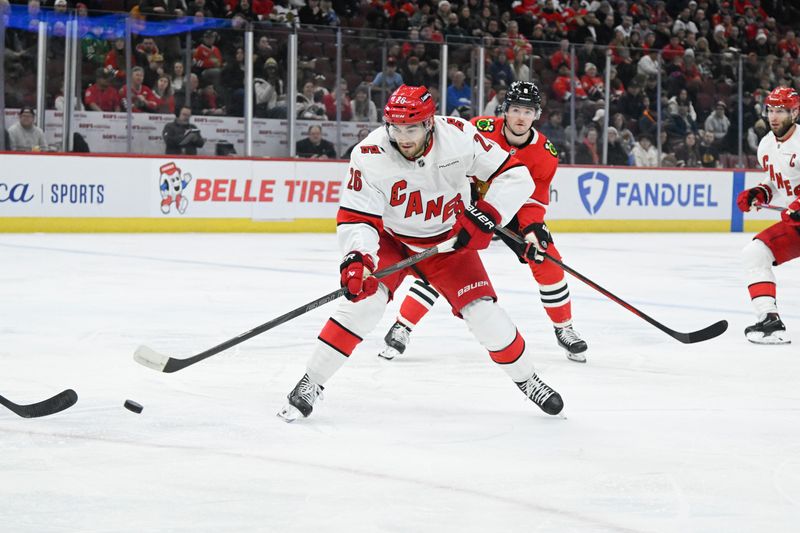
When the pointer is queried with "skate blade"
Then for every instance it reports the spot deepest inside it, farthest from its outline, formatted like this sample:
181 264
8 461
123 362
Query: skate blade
576 357
388 353
289 413
777 337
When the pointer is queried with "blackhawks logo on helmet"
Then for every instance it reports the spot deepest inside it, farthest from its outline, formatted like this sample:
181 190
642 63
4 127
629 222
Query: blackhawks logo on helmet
485 124
550 147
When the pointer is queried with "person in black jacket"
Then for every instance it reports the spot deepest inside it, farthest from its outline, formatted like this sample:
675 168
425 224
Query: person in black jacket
181 136
315 146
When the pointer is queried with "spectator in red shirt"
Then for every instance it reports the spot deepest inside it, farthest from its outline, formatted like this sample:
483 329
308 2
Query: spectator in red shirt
163 93
101 96
207 55
115 59
673 49
339 95
788 45
562 88
143 100
562 55
592 84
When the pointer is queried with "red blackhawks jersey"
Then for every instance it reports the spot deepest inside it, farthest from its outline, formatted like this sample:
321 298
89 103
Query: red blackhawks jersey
417 201
538 155
781 161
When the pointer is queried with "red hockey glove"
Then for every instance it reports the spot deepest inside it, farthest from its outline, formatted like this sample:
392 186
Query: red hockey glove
356 269
475 226
747 197
538 238
792 215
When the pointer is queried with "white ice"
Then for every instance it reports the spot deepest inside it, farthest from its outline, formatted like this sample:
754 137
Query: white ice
659 436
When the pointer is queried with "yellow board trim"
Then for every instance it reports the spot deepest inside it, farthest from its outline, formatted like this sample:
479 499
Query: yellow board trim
754 226
158 225
646 226
318 225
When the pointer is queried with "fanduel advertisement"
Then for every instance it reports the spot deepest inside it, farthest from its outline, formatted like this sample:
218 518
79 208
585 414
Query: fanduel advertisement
640 194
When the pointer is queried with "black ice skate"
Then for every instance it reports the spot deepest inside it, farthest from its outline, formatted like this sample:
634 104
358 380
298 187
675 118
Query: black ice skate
301 400
575 347
546 398
769 331
396 341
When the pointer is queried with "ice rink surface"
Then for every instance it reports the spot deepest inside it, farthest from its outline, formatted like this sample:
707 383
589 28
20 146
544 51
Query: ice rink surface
659 436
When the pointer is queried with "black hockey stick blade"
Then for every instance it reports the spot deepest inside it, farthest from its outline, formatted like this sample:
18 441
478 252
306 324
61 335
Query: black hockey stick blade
164 363
714 330
61 401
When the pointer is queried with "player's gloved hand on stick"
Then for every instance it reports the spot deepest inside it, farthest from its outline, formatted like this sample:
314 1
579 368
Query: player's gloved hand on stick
748 197
355 270
475 226
538 238
792 215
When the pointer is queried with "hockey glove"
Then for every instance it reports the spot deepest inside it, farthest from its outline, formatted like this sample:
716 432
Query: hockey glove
747 197
792 215
538 238
355 270
475 226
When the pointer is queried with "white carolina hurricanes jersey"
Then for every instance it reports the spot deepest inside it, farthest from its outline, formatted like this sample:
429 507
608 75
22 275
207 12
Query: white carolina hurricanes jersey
781 161
417 201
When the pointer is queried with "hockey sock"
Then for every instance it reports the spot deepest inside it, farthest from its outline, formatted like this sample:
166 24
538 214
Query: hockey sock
557 302
343 331
417 303
490 324
758 259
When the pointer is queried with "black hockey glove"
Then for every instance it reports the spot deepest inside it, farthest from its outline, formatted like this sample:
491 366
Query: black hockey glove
538 237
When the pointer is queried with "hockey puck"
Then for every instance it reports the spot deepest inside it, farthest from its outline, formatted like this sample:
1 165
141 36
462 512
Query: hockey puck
130 405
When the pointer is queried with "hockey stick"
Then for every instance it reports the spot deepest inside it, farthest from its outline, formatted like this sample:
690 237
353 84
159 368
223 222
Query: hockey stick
164 363
714 330
59 402
770 207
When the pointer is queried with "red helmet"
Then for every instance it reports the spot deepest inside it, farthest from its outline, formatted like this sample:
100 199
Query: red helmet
409 105
784 97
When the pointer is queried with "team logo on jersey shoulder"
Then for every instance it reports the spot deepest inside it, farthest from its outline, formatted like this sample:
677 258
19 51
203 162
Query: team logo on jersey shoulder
550 147
371 149
485 125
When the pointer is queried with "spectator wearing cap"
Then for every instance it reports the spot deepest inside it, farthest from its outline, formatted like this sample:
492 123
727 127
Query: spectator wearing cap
616 155
364 109
272 75
155 69
24 136
388 79
207 55
314 146
181 136
592 83
101 96
717 123
458 92
562 85
143 99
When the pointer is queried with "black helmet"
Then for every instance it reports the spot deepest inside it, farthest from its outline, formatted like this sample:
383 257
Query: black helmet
523 93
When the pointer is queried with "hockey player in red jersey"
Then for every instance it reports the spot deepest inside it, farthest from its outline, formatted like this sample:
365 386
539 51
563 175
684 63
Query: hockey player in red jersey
779 155
515 133
406 189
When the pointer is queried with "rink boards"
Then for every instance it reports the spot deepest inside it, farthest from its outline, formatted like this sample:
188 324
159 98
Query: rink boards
94 193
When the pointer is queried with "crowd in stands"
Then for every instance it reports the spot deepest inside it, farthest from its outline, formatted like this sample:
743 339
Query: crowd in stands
694 47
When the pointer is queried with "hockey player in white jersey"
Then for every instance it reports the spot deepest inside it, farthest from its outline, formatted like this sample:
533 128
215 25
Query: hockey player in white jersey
779 155
406 190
